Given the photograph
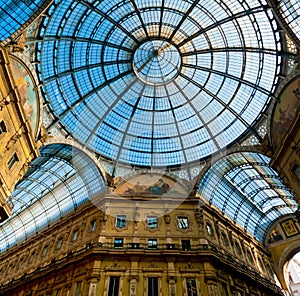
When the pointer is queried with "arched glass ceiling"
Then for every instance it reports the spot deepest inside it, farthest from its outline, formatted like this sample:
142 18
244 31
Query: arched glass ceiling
56 183
158 82
290 10
245 188
14 14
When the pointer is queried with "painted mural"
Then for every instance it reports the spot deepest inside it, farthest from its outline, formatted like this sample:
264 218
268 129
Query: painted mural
28 95
285 111
155 185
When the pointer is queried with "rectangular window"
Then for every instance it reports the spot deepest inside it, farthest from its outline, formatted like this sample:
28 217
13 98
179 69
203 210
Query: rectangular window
296 171
77 288
2 128
113 289
93 225
186 245
75 235
152 243
32 256
20 263
191 287
59 243
121 221
45 249
152 222
224 290
118 243
14 159
152 286
183 222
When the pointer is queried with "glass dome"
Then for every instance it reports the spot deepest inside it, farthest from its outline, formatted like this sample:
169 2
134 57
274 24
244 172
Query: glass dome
158 83
15 14
290 12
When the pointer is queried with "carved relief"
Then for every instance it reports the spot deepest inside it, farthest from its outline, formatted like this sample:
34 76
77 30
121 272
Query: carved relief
133 287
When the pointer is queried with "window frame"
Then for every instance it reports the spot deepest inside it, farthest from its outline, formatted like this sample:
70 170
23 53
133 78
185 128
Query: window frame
59 243
121 221
152 244
112 285
186 247
118 242
191 293
152 224
152 282
3 128
13 161
93 225
75 235
183 222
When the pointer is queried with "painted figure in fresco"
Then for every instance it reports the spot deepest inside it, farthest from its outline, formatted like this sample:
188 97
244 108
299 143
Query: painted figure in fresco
25 86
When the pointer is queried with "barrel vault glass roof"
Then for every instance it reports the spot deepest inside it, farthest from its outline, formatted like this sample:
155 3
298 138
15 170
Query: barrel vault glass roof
245 188
57 182
15 13
158 83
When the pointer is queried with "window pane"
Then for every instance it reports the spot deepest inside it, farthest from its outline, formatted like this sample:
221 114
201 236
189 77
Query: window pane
186 245
118 243
113 289
152 222
121 221
183 222
152 243
152 286
77 288
191 287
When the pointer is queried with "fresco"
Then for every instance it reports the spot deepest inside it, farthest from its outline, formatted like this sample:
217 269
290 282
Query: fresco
275 235
285 111
26 88
146 184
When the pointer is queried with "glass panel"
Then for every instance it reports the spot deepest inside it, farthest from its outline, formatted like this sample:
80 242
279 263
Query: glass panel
14 14
152 286
118 242
152 222
249 191
158 86
191 287
113 289
121 221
